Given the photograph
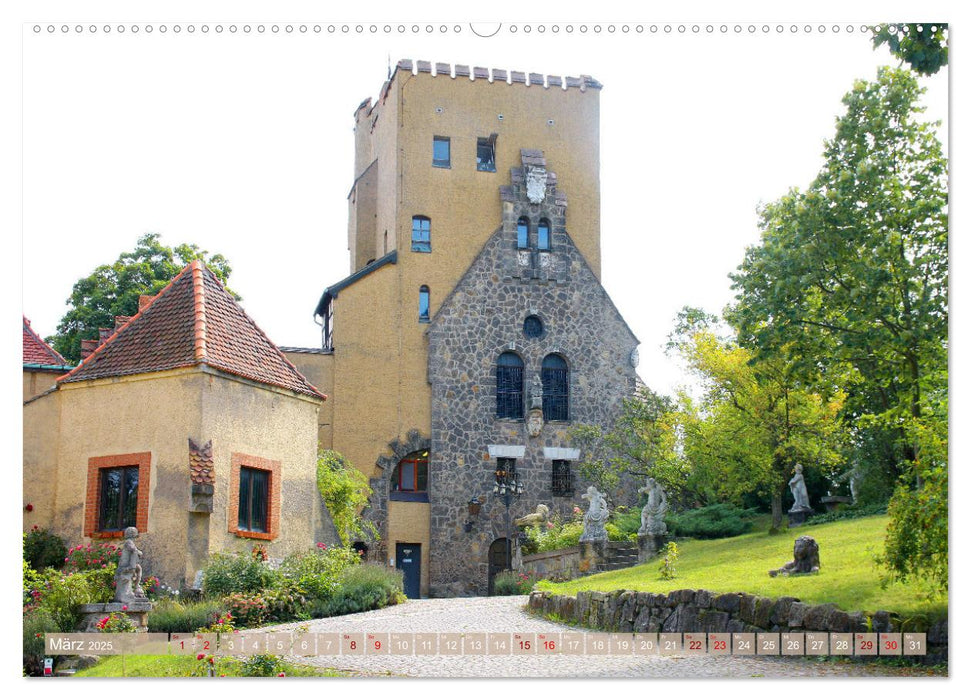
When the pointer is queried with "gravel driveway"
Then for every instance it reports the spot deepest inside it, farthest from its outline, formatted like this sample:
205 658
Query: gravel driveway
506 614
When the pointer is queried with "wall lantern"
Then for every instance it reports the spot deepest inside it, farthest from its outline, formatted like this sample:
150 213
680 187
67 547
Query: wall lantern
474 508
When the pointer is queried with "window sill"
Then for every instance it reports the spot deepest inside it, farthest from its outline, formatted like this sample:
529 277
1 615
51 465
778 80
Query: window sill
420 249
409 496
109 534
485 170
249 534
509 420
443 166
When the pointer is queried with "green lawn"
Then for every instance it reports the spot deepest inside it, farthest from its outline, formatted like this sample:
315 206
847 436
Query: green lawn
848 576
171 666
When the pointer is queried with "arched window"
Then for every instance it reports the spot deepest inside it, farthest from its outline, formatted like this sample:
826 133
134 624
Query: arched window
543 235
421 234
424 304
522 232
409 481
509 386
556 388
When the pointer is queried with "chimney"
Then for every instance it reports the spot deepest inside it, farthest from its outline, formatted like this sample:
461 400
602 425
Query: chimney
121 321
104 334
88 347
144 300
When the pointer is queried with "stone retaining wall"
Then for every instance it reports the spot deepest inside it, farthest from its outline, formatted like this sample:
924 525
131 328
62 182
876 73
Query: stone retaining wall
557 565
704 611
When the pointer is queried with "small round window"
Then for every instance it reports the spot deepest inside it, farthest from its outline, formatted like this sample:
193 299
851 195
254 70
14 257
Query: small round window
532 327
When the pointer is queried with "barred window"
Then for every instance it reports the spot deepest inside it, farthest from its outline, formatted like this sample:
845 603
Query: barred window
509 386
562 478
118 504
254 494
556 388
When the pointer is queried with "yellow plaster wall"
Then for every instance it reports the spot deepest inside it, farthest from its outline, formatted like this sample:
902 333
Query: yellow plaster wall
248 419
410 523
319 371
40 433
146 413
38 381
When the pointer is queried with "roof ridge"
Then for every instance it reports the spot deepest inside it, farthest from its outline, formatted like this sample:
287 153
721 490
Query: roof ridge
199 309
97 351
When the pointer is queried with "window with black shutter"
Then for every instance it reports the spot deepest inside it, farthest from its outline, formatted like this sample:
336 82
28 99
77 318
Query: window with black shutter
562 478
509 386
556 388
118 504
254 495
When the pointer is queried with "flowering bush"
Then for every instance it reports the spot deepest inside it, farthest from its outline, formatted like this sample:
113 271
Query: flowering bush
59 594
237 573
512 583
224 623
116 622
247 610
87 557
42 549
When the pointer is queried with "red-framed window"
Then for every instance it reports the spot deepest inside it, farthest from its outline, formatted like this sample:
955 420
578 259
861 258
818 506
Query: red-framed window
411 474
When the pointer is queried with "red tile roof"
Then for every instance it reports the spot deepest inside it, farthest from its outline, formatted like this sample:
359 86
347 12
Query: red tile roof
37 352
193 321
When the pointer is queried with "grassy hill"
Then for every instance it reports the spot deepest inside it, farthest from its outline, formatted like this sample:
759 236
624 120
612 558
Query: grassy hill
848 576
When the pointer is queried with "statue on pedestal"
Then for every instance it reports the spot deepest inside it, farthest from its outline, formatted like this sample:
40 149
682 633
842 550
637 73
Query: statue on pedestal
801 508
595 517
653 512
128 577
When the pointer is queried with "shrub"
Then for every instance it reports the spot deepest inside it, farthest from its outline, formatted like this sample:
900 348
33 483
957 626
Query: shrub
512 583
848 513
317 571
363 587
346 491
626 523
262 666
173 616
248 610
59 594
36 625
711 522
95 555
236 573
669 563
224 624
43 549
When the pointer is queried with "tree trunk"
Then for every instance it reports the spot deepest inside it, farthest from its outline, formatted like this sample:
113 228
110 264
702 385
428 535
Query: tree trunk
777 510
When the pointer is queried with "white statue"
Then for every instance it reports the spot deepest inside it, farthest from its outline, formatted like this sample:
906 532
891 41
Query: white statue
653 512
595 517
797 484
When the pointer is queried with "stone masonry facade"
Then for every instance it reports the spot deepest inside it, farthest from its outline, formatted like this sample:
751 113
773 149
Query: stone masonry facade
484 317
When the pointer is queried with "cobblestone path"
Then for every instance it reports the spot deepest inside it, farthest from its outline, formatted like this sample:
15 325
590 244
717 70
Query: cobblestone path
506 614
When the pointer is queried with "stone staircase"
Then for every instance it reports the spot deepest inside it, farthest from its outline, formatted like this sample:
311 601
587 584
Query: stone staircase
620 555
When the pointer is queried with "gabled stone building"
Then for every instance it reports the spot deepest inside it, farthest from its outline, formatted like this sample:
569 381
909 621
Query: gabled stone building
472 331
186 422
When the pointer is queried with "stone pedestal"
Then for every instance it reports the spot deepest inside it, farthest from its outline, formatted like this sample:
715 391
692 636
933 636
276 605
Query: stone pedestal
649 545
797 516
593 556
93 613
834 503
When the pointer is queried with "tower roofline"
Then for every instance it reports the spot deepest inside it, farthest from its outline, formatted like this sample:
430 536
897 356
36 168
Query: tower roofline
477 73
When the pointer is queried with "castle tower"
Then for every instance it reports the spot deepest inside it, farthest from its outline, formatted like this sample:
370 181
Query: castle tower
474 240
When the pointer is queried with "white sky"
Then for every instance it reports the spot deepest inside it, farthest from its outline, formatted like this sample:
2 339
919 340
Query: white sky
243 143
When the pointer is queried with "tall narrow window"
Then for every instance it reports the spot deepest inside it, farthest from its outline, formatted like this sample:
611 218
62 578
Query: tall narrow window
562 478
441 152
118 505
486 154
509 386
556 388
522 232
254 495
424 304
421 234
543 235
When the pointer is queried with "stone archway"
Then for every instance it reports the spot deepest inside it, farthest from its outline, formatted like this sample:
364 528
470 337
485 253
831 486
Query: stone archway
499 557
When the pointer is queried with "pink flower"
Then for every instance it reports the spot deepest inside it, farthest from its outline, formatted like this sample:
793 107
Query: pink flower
281 674
200 657
124 607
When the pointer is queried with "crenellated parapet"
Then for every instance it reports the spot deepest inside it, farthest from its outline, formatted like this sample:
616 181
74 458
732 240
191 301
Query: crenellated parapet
498 75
